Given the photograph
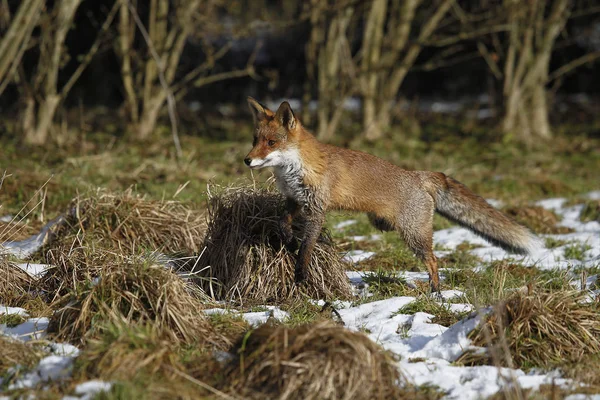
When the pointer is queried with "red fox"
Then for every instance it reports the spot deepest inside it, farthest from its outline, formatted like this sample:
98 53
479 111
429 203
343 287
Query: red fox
316 177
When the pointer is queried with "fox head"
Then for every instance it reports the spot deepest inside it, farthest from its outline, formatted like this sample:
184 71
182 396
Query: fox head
275 136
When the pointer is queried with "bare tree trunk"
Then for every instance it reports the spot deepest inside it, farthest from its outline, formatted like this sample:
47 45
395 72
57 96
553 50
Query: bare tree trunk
40 122
388 55
334 69
532 36
147 91
14 41
372 47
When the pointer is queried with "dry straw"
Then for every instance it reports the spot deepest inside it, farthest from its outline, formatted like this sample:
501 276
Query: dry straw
129 222
244 259
15 284
109 285
314 361
16 355
539 329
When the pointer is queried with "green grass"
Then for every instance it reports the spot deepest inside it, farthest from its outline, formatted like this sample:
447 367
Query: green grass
591 211
12 320
576 251
564 167
443 314
552 243
384 284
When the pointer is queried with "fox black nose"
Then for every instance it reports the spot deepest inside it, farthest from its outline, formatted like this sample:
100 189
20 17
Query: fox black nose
247 161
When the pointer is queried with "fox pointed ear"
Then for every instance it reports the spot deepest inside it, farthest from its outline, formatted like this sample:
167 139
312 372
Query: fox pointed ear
285 116
259 111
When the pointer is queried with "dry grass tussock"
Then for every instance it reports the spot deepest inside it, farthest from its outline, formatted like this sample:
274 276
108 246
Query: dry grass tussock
15 284
540 329
16 356
314 361
111 286
244 257
122 349
129 222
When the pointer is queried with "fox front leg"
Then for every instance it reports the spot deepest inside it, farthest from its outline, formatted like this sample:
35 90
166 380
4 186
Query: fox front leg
292 209
312 230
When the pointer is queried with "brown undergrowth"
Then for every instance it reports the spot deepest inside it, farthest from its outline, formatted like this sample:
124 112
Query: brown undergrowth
108 286
129 223
540 329
312 361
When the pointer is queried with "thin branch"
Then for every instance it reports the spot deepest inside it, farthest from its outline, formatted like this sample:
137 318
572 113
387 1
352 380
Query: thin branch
492 64
570 66
91 53
161 77
486 30
193 74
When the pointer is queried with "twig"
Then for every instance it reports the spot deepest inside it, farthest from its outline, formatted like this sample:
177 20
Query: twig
161 77
568 67
90 54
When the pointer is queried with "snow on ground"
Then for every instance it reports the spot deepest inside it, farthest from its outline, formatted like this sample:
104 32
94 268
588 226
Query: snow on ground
354 256
253 318
25 248
426 350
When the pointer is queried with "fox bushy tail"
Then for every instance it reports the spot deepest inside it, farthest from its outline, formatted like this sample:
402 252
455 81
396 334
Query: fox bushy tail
459 204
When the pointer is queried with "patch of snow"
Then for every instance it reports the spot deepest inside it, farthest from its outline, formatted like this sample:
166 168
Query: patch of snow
25 248
50 368
34 270
33 328
365 238
355 256
253 318
552 204
13 310
581 396
89 390
343 224
452 294
595 195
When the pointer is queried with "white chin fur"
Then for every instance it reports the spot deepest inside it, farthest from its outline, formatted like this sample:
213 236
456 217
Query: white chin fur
277 158
257 163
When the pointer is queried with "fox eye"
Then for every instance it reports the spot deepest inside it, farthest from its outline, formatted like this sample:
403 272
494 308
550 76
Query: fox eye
271 143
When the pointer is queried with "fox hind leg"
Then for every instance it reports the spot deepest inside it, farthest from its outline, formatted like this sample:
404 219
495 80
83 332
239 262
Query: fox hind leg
416 228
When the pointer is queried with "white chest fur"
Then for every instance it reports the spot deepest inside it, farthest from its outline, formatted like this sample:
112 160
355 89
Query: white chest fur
290 183
289 175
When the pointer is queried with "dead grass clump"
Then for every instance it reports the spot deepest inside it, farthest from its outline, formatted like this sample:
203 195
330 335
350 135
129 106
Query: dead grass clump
538 219
244 255
591 211
17 355
135 289
313 361
17 230
15 284
129 222
121 349
541 329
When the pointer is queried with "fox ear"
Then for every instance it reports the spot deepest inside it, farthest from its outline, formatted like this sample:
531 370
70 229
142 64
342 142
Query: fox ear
259 111
285 116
